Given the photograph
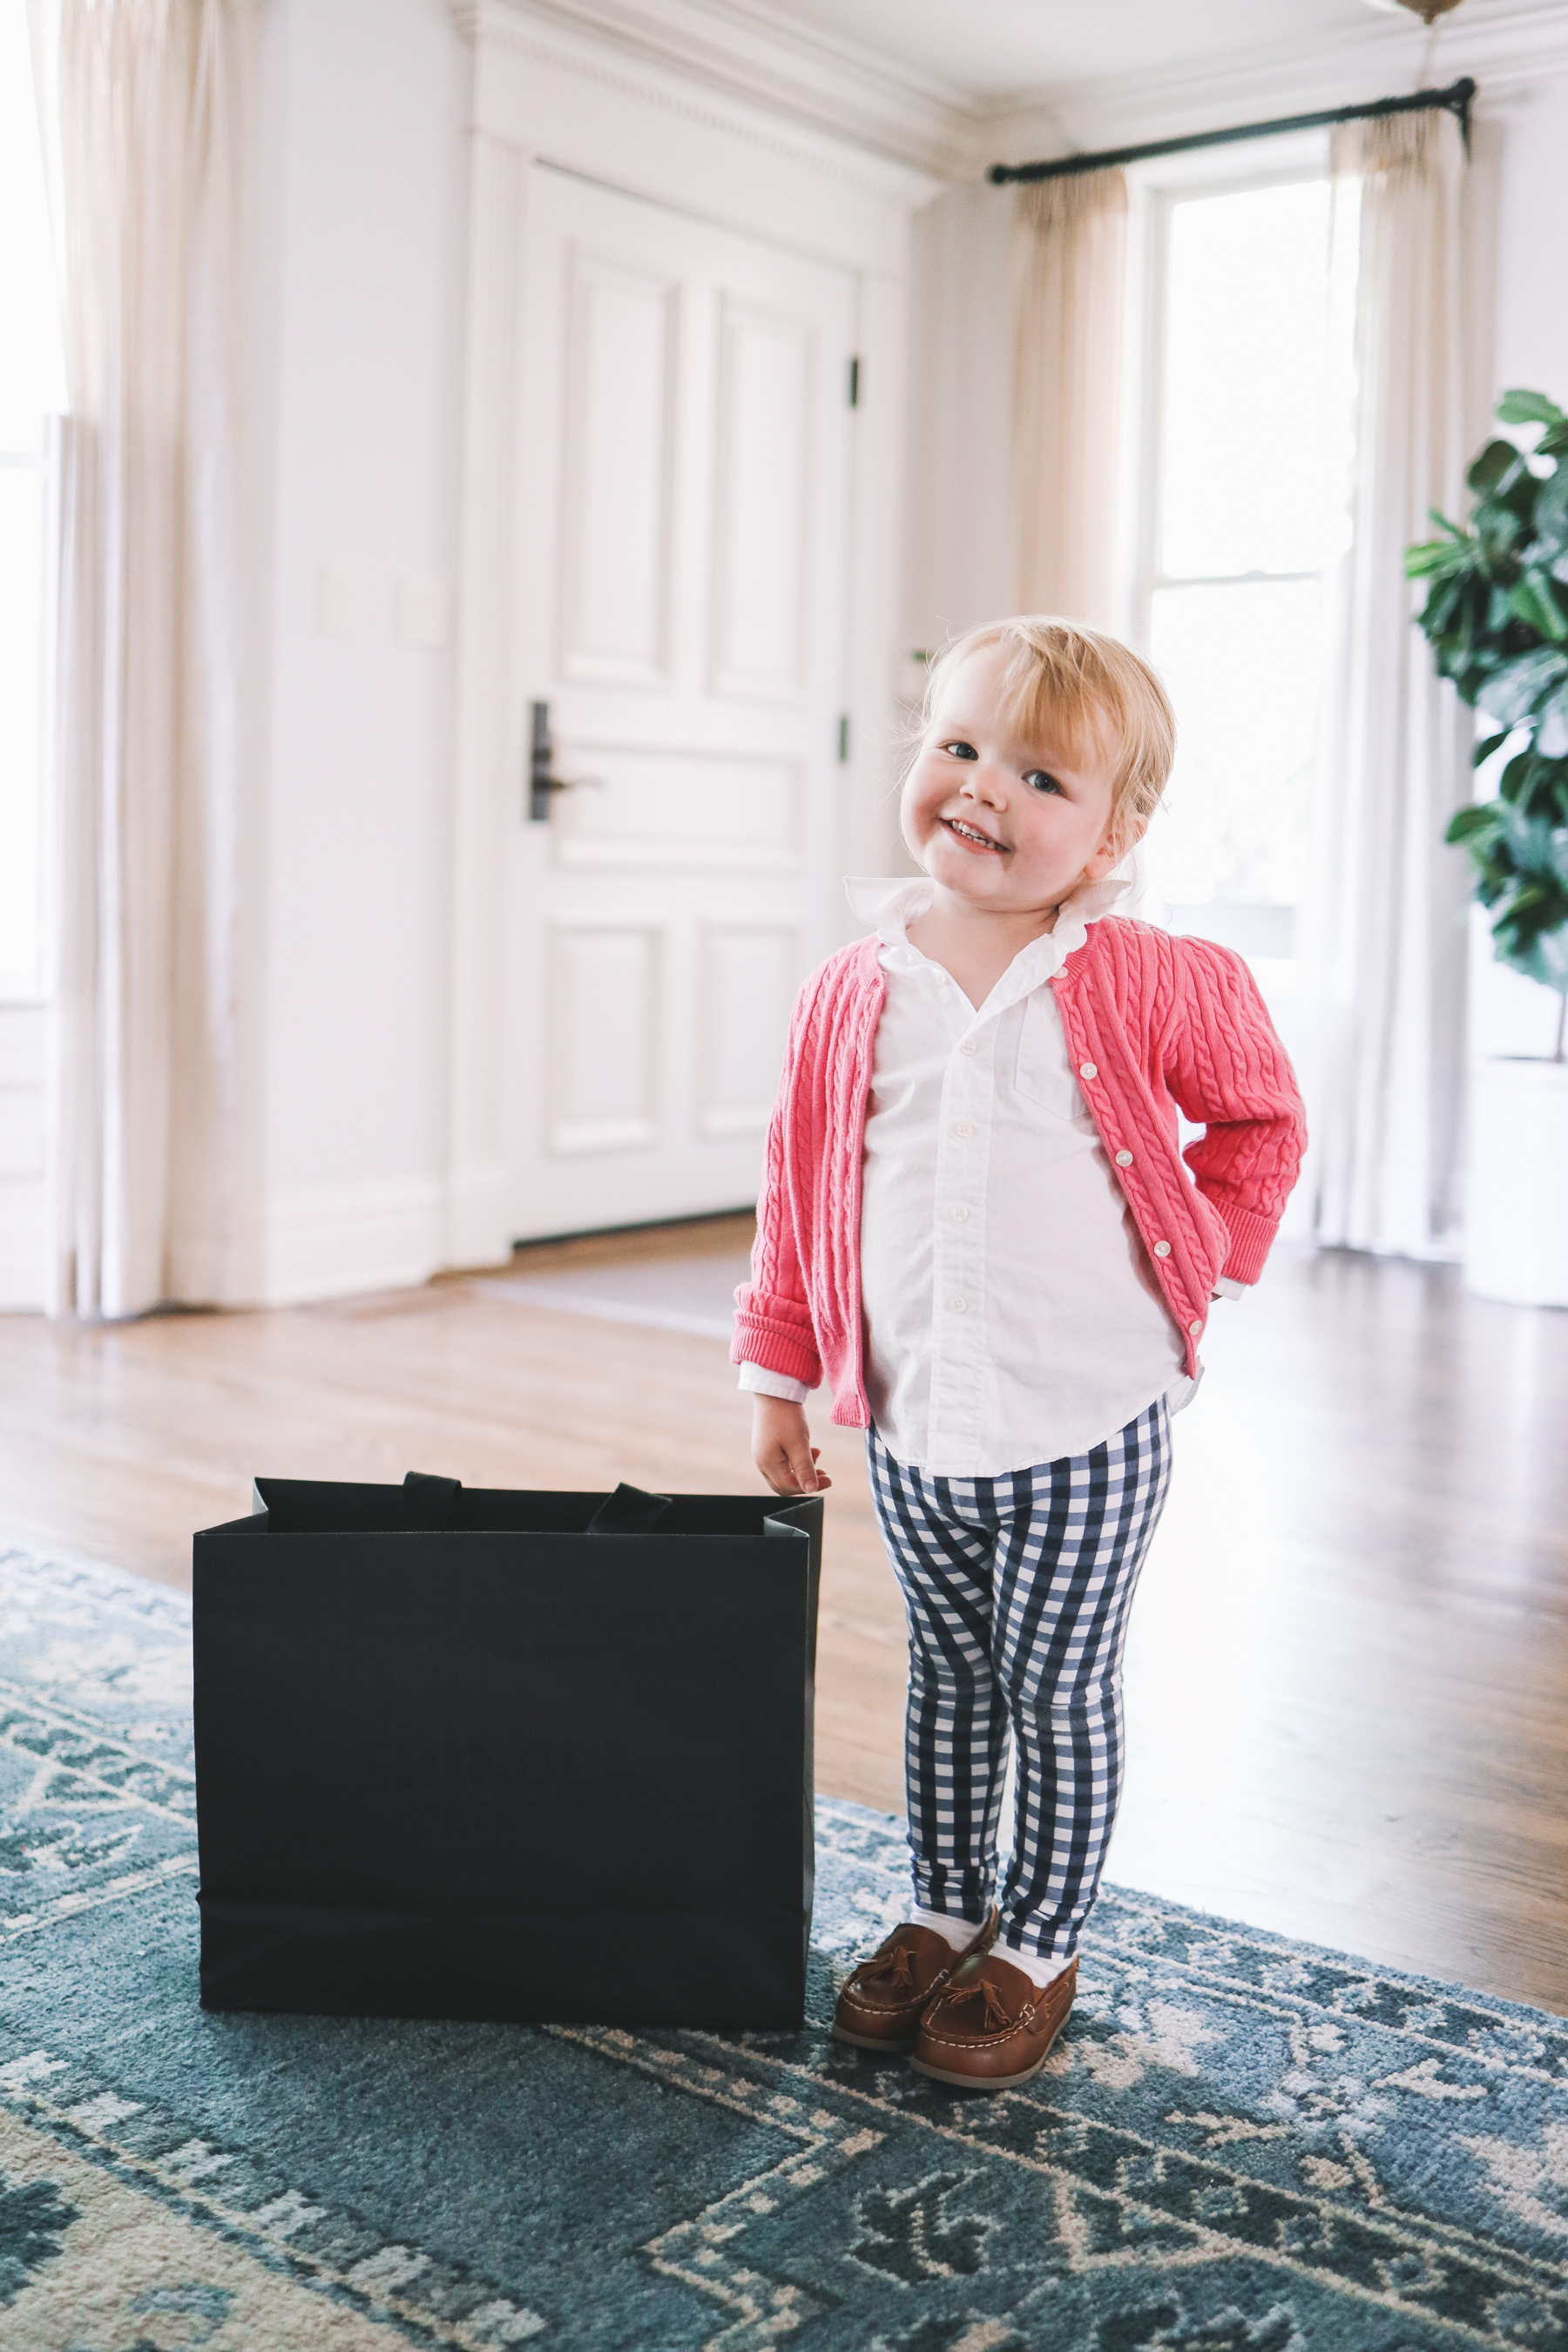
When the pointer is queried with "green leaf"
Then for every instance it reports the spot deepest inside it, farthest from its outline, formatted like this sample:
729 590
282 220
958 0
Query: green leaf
1522 777
1486 746
1520 684
1546 960
1529 408
1499 463
1435 555
1498 529
1514 783
1444 606
1551 515
1534 600
1529 839
1552 735
1466 823
1543 789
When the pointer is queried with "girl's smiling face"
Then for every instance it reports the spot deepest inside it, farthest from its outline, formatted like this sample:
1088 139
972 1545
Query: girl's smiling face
1004 824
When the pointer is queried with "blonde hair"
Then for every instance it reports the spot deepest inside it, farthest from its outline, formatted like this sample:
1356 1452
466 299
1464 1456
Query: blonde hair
1079 688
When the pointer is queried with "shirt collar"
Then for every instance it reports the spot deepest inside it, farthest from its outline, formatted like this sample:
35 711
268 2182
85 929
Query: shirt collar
890 903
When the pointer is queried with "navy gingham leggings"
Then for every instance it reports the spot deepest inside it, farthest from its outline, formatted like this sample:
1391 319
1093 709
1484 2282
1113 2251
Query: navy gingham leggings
1017 1590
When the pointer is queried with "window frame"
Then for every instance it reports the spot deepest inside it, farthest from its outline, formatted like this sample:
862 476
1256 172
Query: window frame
1154 190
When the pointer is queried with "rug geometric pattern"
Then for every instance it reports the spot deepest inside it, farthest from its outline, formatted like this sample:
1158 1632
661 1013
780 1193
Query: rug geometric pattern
1242 2144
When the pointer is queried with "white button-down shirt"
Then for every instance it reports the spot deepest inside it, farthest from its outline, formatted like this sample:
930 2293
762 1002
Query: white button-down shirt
1011 1316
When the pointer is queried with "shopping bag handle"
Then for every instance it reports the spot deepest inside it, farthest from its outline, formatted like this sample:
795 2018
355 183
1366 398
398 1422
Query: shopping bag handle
628 1512
433 1500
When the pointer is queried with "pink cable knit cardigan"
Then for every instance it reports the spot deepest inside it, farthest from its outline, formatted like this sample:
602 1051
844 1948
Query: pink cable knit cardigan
1153 1022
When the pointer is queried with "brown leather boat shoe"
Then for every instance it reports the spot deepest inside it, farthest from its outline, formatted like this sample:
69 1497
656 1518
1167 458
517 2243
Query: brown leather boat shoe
992 2026
880 2007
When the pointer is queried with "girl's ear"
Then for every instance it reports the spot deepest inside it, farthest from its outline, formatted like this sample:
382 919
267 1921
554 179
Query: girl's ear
1113 847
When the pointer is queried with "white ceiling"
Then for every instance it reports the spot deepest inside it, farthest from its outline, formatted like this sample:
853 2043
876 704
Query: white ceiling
990 50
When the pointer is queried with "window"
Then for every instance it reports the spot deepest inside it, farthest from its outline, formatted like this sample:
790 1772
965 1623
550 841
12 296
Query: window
31 390
1250 307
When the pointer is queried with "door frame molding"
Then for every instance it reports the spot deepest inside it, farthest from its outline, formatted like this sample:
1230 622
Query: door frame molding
545 93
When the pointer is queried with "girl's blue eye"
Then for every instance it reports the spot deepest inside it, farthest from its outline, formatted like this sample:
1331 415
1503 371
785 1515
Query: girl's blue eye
962 750
1039 782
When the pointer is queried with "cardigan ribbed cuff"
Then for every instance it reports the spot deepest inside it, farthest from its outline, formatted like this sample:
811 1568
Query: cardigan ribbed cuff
1251 1237
776 1346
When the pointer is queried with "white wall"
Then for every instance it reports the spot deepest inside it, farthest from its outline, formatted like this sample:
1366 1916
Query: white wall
358 382
959 566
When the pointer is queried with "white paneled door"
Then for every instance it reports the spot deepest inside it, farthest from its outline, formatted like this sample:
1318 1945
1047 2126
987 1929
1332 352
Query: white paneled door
679 614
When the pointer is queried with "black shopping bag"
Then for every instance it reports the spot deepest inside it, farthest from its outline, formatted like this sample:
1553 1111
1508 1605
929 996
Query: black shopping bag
467 1752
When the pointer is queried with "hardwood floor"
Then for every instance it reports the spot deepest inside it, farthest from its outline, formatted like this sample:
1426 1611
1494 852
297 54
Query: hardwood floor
1347 1684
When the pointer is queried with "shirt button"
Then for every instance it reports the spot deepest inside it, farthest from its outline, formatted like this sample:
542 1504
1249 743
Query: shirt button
1087 1070
959 1306
1124 1160
962 1127
960 1214
1162 1249
1195 1326
969 1046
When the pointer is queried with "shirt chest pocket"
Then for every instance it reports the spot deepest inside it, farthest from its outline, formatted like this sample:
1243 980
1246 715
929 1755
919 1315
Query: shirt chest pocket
1042 1071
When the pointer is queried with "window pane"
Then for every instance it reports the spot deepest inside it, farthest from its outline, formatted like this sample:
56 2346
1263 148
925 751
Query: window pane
1246 469
21 499
1242 666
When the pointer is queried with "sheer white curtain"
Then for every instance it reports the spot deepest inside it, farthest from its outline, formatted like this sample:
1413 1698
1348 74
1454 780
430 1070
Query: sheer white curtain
1390 897
1069 258
144 105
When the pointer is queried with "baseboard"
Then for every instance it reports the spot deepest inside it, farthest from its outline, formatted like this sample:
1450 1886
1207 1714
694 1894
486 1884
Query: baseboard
22 1248
479 1232
336 1240
23 1215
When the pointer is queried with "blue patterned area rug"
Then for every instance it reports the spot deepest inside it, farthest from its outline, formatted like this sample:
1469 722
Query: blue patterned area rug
1243 2145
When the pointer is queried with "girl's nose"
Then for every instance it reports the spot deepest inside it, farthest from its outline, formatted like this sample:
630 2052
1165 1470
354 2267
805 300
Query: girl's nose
982 784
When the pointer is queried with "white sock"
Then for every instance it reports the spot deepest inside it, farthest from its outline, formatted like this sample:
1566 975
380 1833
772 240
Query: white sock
1041 1967
957 1932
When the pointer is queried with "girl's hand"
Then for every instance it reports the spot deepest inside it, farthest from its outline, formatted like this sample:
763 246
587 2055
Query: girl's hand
782 1448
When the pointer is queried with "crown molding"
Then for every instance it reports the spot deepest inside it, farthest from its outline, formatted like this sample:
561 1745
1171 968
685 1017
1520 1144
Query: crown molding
800 86
753 56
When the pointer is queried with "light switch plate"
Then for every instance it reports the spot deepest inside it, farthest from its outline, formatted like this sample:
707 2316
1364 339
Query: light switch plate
334 601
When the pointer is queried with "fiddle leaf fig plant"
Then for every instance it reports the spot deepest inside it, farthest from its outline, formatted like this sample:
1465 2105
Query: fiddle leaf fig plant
1496 616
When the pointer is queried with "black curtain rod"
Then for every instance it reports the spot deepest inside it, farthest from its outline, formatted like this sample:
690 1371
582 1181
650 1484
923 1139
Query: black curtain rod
1455 100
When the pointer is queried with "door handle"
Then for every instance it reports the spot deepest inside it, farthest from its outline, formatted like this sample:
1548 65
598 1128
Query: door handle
541 785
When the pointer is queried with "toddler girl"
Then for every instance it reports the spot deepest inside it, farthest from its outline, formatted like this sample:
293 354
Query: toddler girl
976 1221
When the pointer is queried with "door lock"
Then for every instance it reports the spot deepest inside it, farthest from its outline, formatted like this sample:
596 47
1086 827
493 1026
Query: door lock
541 785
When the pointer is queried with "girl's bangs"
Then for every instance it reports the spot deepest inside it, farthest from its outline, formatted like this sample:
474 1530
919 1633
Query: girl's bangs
1050 702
